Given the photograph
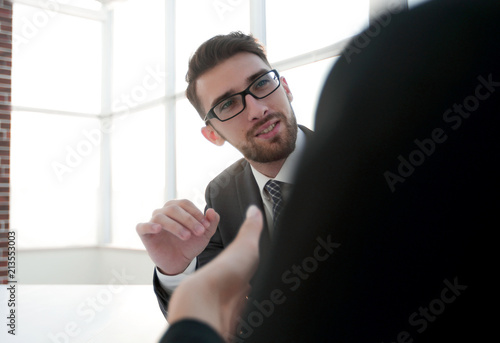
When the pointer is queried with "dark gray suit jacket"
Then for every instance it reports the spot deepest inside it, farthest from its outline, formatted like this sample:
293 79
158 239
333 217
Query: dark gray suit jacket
229 194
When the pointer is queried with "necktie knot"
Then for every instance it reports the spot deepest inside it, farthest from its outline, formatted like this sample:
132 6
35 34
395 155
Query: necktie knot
273 187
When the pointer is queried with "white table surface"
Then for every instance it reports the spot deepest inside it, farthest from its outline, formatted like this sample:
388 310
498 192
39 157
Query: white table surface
82 313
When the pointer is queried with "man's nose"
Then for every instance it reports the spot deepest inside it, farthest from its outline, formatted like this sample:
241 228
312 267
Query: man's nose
255 108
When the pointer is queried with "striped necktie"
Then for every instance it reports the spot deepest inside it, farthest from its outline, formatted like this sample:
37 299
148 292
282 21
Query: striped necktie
273 187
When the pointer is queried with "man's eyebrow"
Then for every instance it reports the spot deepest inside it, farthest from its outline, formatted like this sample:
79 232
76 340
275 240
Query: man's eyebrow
256 75
230 92
222 97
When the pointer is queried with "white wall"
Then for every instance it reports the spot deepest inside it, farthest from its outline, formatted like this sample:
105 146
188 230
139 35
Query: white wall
84 266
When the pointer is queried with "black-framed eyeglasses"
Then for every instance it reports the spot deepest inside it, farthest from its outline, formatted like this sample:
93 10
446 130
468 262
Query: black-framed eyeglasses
233 105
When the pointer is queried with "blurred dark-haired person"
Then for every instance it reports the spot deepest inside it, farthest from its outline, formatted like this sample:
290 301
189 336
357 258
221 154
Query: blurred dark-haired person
390 225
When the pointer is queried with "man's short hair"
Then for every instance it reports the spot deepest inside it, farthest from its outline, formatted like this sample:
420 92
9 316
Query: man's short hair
214 51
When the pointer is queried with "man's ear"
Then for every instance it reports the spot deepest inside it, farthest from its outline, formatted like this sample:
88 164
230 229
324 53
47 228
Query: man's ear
287 89
210 134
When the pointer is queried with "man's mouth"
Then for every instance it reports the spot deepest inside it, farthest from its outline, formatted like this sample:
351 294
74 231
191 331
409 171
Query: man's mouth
268 129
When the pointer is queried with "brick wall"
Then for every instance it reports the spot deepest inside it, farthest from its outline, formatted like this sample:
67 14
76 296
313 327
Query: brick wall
5 102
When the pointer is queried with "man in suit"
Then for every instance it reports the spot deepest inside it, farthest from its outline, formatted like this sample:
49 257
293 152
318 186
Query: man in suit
390 224
246 103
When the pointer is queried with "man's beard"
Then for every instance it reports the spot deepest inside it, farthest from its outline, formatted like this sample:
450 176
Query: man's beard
278 148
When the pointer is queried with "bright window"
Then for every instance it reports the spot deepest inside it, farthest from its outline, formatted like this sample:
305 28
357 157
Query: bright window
57 61
305 84
295 27
138 53
55 152
81 170
198 20
54 180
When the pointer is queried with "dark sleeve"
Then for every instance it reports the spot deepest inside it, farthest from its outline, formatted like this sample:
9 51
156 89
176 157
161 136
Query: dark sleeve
191 331
161 294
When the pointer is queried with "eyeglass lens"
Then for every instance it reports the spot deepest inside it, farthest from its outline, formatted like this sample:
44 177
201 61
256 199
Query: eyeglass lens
260 88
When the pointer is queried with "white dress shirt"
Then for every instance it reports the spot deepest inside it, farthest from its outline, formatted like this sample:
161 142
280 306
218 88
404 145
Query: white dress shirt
286 174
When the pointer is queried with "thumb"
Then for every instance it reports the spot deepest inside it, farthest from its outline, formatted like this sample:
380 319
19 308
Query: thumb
213 218
248 237
252 226
238 262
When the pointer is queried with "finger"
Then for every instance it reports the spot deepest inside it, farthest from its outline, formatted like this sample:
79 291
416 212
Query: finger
173 226
194 211
176 218
147 228
183 204
212 218
250 230
248 239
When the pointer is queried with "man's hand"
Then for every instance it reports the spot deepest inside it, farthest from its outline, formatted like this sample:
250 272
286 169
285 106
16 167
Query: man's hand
216 293
176 234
